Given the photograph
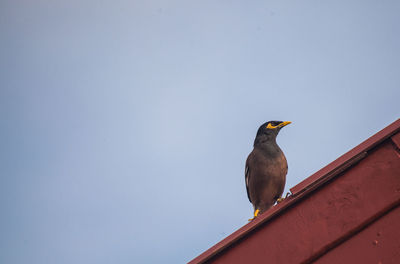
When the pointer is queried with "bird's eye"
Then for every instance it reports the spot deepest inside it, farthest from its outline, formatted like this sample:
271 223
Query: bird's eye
275 123
271 125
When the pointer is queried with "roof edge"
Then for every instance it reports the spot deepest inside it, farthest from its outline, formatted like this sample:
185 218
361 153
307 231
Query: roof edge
347 157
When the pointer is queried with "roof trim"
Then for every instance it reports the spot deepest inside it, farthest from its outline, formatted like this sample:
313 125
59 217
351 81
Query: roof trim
347 157
302 189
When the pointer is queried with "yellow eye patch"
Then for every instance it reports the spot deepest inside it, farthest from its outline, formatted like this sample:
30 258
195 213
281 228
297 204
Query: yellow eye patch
269 126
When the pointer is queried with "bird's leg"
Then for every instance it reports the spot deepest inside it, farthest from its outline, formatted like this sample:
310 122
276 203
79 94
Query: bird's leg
281 198
255 215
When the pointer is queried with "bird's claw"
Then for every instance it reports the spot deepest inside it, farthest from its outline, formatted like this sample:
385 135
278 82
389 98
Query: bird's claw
280 200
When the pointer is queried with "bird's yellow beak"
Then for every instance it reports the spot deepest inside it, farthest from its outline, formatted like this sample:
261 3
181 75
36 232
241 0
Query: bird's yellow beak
278 126
284 124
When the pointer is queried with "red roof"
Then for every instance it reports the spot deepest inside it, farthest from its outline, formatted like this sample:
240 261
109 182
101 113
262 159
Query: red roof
328 212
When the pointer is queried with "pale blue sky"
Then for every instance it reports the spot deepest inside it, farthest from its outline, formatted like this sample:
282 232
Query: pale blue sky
126 124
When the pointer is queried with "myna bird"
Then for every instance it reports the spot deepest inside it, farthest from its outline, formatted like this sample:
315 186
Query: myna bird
266 168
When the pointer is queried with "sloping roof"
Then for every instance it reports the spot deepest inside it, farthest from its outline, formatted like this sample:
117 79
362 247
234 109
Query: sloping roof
306 188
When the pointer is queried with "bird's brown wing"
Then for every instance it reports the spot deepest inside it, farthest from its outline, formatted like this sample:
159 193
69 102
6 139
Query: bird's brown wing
247 176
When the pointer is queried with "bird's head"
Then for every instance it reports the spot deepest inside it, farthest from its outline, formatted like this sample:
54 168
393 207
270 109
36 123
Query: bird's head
270 129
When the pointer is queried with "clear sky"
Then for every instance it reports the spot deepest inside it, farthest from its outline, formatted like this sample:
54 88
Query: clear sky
125 125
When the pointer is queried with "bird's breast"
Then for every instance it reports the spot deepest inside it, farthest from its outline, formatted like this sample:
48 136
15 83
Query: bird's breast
271 166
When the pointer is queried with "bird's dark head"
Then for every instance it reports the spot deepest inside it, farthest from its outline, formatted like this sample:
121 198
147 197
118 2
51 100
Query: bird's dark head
269 130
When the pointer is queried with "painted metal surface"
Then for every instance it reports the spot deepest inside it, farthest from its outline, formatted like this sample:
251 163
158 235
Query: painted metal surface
396 141
328 211
378 243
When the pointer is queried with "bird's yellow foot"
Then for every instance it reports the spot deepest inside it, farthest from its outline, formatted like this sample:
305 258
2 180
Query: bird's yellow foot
280 200
255 215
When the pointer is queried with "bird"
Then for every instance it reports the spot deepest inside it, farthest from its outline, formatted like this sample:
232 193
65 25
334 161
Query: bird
266 168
